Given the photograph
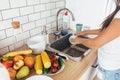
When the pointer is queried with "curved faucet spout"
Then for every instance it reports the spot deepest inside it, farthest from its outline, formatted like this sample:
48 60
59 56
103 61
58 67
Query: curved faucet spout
73 18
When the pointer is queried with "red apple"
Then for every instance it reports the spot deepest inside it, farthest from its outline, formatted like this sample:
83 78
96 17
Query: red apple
7 63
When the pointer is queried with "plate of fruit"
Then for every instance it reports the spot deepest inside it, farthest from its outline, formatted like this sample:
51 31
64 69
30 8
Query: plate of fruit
48 63
18 64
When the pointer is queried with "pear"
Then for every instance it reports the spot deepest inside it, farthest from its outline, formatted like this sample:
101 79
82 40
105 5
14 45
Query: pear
23 72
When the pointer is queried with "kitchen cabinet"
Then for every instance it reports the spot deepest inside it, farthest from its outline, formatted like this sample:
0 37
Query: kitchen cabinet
89 73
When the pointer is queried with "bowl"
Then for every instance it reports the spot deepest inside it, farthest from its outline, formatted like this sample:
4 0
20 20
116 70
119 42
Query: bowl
37 44
71 39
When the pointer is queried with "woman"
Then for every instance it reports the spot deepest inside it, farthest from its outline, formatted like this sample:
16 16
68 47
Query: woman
108 44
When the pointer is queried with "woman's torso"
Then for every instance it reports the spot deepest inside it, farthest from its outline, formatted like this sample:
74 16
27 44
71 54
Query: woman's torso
109 54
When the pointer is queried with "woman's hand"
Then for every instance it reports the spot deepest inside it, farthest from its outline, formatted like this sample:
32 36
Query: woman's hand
81 33
77 40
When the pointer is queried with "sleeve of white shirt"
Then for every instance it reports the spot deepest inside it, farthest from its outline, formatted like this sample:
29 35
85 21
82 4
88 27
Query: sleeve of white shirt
117 14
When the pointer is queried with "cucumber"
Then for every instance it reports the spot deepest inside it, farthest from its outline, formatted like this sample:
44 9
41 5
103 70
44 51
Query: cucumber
61 62
46 70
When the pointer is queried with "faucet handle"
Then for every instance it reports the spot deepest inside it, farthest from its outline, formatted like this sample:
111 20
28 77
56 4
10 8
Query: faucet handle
57 34
44 30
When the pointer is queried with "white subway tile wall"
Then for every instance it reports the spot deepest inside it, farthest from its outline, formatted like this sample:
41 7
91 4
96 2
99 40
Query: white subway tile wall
9 32
45 1
59 4
28 26
55 0
2 34
50 6
17 3
6 42
22 36
51 19
35 31
4 4
26 10
11 13
0 16
40 22
4 50
40 7
5 24
32 15
33 2
22 19
45 14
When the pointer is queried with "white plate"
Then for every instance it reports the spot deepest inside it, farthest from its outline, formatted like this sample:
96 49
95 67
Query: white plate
39 77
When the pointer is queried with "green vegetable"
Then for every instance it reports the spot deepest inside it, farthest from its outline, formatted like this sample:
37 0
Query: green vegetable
61 62
46 70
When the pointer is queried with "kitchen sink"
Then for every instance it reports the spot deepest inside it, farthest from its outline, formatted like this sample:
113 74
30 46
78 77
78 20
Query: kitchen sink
74 52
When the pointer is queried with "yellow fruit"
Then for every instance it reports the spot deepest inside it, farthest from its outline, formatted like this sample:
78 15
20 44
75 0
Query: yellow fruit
12 54
29 61
38 65
45 59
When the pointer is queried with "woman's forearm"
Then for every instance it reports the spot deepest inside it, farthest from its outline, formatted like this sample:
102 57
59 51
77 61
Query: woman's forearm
94 32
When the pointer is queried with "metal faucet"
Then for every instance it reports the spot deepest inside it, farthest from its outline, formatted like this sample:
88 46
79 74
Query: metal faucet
57 32
73 18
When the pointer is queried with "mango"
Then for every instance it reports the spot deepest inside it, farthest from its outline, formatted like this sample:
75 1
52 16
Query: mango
12 73
23 72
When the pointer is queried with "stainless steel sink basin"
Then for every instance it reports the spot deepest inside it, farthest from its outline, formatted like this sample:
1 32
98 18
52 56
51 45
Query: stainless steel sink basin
74 52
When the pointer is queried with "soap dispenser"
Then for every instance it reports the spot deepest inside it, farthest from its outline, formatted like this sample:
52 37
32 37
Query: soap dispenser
66 20
45 34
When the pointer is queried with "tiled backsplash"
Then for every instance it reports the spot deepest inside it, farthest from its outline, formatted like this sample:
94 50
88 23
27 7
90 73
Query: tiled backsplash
32 15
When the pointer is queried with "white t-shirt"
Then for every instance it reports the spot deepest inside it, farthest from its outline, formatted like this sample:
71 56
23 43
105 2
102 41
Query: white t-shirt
109 54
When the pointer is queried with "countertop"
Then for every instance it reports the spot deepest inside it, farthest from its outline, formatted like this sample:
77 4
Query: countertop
73 70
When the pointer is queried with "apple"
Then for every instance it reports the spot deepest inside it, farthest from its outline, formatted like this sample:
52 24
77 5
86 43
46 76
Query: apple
7 63
18 64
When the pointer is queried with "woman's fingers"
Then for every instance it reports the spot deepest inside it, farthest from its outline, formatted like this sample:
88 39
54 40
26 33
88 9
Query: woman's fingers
81 33
76 40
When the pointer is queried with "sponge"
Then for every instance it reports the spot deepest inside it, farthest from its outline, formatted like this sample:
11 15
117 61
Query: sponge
64 32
